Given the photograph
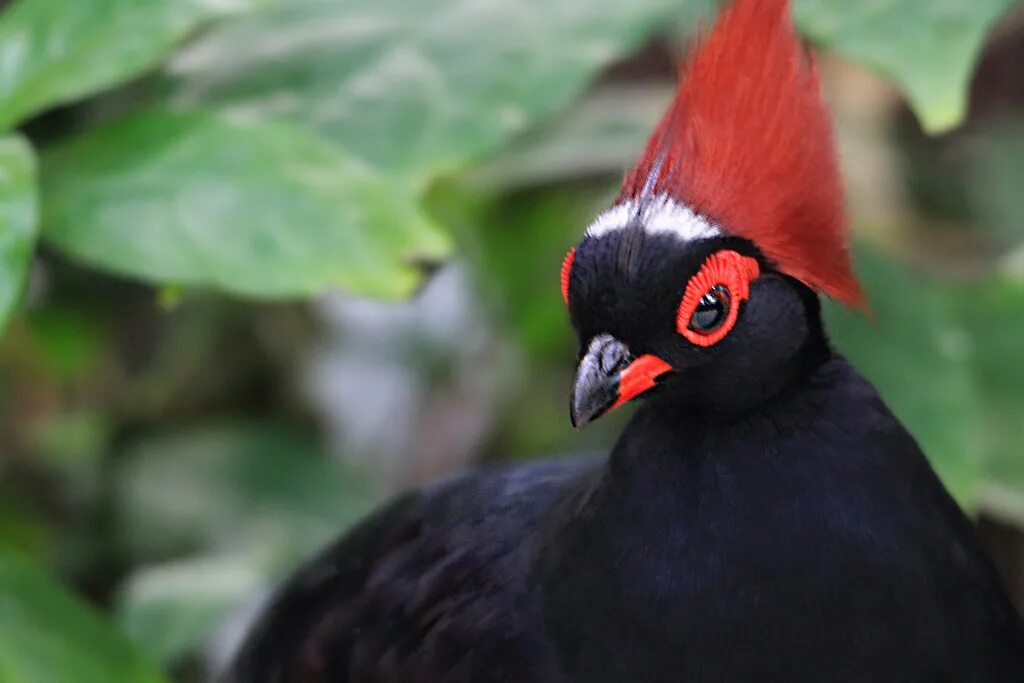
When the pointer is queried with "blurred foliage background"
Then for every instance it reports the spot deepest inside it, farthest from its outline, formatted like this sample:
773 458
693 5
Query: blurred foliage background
264 262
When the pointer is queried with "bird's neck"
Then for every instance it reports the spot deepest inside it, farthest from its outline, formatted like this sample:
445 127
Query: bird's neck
655 474
722 399
656 466
637 536
662 434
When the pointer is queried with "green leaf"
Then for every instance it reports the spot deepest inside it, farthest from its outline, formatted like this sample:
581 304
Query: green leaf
195 488
601 135
991 309
439 83
517 260
171 610
242 503
50 637
18 219
995 166
918 355
23 525
71 339
55 51
415 86
264 210
926 47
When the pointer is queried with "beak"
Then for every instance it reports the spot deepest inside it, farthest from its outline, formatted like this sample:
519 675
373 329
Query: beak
609 376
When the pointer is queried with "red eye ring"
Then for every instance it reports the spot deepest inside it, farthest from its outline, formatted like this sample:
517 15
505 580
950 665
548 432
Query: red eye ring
728 269
566 272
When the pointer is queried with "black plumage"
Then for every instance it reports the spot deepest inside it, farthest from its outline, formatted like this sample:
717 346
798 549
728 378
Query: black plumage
764 516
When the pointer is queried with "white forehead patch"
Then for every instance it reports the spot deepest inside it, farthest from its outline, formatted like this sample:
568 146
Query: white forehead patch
661 215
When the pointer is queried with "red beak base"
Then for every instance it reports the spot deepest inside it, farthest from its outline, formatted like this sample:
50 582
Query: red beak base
639 377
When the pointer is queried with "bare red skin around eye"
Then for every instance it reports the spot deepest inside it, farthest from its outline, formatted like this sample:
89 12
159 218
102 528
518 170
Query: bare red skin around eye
727 268
566 272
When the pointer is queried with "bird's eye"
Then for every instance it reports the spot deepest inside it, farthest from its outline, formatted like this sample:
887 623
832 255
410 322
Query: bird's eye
711 302
712 310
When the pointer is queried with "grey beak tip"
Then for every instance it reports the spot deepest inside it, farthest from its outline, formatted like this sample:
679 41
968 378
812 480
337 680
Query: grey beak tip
596 385
574 415
578 420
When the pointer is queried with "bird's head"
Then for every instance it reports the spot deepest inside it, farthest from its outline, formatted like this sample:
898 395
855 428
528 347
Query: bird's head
701 281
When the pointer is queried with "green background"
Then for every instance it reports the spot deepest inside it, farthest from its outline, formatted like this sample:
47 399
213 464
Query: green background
265 262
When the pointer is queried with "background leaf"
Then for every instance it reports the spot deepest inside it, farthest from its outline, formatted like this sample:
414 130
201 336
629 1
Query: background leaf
264 210
54 51
241 478
999 374
406 85
600 136
297 146
18 219
49 637
926 47
173 609
245 502
918 355
997 176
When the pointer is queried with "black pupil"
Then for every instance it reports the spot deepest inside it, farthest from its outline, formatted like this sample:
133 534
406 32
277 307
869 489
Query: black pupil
711 310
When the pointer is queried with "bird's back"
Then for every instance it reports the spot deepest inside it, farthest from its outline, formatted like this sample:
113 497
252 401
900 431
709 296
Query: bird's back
434 587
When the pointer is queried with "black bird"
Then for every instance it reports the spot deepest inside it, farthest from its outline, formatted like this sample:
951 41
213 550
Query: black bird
764 516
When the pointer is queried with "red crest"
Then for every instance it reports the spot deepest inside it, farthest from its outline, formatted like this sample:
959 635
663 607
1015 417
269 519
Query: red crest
747 142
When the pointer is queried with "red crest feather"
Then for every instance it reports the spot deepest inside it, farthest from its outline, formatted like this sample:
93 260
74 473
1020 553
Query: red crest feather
747 142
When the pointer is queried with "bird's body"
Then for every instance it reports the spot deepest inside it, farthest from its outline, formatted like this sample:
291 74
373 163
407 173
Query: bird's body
763 518
699 551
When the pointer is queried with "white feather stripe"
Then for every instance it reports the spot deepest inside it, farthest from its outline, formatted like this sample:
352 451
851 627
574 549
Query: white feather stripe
660 215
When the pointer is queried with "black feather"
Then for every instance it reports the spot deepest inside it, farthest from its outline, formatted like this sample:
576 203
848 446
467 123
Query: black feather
764 517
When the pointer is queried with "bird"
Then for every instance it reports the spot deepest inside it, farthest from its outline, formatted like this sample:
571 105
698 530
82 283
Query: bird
763 516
